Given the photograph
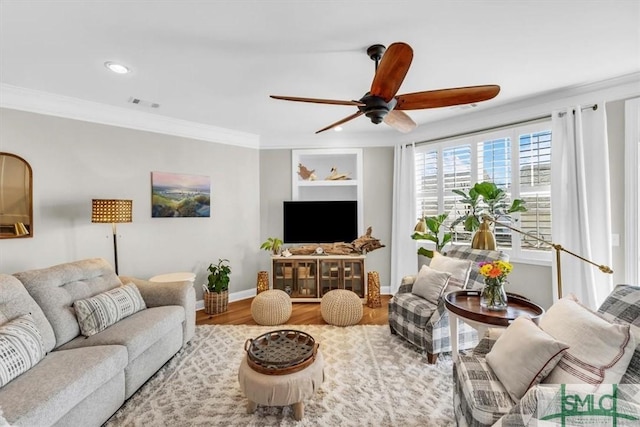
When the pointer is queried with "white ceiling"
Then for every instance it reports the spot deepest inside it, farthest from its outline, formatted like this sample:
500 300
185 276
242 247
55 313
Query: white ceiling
216 62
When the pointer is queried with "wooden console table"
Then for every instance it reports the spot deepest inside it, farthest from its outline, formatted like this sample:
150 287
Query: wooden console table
306 278
465 305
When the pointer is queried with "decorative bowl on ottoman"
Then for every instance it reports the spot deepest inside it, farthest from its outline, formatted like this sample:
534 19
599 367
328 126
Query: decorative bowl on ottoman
272 307
341 307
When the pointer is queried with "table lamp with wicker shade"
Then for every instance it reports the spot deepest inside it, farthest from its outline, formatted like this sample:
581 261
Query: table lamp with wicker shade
112 211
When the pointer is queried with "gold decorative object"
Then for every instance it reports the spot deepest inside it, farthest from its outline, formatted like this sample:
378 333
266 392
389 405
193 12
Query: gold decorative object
20 229
373 290
263 281
558 248
484 238
112 211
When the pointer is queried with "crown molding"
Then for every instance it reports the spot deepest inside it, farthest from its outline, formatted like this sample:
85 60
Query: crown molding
19 98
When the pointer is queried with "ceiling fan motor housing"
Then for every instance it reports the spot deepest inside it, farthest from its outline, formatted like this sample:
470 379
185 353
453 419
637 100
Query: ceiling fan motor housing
376 108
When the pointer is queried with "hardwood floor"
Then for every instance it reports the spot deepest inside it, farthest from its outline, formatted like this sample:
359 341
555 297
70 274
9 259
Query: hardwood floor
304 313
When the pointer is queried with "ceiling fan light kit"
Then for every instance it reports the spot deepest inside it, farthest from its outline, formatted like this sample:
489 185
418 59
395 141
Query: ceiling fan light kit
381 104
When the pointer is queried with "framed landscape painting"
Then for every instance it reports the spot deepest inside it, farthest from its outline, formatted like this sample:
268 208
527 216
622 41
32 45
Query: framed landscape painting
176 195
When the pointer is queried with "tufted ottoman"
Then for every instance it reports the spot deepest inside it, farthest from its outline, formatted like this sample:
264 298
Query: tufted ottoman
281 390
341 307
272 307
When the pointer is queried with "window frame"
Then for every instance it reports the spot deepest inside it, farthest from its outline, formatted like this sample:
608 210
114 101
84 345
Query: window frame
516 252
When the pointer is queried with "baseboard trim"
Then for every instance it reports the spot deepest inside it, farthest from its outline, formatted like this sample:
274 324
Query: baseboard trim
250 293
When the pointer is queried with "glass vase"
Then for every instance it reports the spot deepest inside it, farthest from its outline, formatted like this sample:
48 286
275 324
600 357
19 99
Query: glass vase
493 295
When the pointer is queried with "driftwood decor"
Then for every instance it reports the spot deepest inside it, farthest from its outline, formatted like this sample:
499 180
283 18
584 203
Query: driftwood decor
360 246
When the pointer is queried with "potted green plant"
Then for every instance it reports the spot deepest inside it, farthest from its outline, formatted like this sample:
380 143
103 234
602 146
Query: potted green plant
430 230
272 244
486 198
216 291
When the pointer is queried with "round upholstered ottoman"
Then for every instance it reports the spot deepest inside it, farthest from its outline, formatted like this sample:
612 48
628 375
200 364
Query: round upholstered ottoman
272 307
281 390
341 307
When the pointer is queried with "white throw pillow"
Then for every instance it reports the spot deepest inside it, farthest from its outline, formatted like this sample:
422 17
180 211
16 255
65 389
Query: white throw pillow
21 347
97 313
523 356
459 268
430 283
599 351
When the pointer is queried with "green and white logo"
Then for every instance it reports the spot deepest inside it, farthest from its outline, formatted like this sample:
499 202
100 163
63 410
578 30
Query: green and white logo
578 405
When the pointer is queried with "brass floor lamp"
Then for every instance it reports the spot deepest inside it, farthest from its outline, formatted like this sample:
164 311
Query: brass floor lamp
112 211
558 248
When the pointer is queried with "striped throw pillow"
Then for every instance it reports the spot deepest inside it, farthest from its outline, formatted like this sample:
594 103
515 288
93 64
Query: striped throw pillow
21 347
97 313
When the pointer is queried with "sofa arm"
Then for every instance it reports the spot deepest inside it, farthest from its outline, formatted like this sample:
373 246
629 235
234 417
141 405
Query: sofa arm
156 294
487 341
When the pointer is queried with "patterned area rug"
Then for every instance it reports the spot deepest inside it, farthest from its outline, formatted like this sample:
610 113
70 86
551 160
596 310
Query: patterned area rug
372 378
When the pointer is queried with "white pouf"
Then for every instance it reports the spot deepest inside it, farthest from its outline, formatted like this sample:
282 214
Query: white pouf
281 390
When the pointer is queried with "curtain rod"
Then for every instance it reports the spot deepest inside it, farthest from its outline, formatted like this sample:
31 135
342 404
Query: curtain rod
506 125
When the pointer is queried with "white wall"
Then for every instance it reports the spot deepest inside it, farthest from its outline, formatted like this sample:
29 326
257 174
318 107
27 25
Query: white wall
75 161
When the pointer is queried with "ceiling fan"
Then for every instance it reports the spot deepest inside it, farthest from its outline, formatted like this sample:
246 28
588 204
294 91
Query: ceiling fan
381 104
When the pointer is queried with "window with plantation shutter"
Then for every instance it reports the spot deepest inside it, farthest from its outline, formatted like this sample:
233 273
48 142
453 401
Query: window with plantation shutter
516 159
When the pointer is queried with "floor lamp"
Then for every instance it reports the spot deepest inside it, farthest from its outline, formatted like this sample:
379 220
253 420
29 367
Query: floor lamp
558 248
112 211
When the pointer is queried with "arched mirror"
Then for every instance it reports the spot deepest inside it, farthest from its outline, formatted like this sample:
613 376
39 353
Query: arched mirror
16 204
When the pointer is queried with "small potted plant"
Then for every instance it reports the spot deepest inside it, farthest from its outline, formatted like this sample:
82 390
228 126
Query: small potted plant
272 244
216 291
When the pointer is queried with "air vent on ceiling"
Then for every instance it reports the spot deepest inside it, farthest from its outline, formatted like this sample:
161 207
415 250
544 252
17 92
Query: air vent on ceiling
143 103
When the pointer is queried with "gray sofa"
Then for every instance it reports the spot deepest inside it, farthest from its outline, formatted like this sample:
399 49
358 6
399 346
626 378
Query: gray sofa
82 380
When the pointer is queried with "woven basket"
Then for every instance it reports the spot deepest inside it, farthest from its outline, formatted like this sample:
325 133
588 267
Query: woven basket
216 303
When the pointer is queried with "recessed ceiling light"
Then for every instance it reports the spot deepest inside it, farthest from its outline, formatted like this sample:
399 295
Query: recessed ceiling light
116 68
338 128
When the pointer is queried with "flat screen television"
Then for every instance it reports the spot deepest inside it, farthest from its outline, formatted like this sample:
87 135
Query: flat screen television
320 221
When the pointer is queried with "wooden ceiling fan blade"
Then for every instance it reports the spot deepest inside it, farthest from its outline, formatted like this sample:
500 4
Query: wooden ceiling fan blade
339 122
400 121
392 71
446 97
318 101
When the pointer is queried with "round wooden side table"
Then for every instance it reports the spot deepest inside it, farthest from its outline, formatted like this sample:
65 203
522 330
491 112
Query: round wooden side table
465 305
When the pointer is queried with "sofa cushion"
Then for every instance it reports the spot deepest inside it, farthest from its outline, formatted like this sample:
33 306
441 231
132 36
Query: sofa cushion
21 347
59 382
523 356
56 288
97 313
16 301
476 256
137 332
430 283
458 268
599 352
482 396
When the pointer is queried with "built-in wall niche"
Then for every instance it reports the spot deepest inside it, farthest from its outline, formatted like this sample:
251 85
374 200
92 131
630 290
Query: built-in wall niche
16 203
322 163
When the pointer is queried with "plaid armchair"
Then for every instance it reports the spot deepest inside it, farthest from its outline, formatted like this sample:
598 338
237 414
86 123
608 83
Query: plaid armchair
426 325
480 400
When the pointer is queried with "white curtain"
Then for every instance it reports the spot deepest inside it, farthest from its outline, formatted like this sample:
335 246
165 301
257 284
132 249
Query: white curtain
581 201
404 259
